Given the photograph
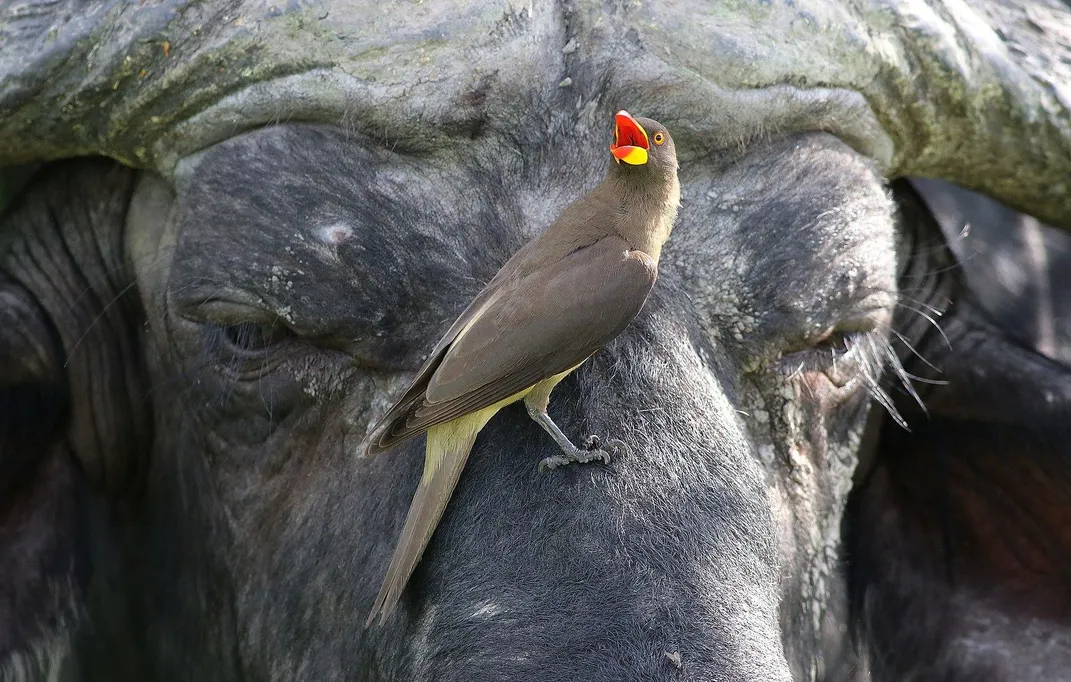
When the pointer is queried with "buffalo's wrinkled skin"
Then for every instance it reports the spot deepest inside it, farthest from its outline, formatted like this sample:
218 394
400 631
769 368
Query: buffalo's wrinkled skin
198 332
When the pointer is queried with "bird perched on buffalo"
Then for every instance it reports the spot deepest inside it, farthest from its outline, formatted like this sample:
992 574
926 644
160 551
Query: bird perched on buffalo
556 301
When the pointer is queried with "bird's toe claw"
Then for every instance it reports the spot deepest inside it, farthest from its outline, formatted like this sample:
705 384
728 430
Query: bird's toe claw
592 452
553 462
618 447
593 455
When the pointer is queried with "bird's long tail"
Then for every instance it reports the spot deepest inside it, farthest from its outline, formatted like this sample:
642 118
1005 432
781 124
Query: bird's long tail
448 449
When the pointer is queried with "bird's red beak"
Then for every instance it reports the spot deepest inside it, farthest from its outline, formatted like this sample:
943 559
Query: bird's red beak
630 140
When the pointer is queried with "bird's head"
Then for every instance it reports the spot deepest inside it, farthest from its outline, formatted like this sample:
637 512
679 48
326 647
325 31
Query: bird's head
642 145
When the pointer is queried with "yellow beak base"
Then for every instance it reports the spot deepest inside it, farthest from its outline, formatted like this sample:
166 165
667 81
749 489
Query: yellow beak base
634 156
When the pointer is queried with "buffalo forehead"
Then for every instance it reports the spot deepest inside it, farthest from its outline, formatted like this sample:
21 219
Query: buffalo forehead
339 237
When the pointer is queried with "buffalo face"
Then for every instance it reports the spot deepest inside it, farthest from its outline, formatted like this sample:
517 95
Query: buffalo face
283 290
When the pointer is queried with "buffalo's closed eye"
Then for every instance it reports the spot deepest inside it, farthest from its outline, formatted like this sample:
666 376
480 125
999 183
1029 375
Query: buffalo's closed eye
247 349
841 353
836 343
228 327
253 337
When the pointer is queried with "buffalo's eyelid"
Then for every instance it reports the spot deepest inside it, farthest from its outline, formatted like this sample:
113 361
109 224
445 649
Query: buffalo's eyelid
838 341
253 336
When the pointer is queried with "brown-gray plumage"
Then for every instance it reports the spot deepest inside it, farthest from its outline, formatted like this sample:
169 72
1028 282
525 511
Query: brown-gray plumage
561 297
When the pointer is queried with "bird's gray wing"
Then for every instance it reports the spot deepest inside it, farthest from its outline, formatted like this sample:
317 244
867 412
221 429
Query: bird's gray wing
380 439
533 328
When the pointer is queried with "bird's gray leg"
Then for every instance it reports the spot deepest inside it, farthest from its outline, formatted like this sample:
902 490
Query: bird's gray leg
536 402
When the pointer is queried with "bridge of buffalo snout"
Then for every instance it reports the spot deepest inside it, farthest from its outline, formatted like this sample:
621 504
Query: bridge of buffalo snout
212 351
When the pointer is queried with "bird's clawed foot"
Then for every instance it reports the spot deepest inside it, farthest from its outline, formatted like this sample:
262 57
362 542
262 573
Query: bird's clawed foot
591 452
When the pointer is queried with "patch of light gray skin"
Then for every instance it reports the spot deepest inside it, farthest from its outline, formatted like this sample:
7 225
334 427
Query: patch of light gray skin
333 234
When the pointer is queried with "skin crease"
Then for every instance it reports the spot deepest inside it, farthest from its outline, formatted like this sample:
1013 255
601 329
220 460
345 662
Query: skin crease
311 193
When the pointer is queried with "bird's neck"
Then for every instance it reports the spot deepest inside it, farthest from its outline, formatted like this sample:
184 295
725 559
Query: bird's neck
646 210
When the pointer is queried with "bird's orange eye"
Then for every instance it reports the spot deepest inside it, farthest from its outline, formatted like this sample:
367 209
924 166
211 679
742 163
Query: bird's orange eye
659 138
